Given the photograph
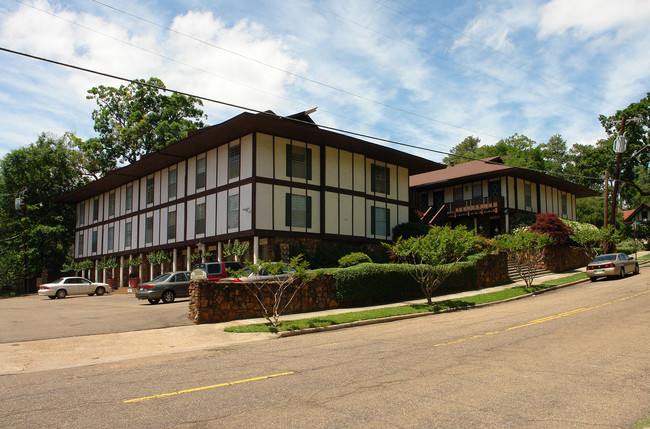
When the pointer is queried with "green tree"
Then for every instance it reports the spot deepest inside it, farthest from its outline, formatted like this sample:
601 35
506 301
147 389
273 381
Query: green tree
525 250
433 254
465 151
137 119
42 228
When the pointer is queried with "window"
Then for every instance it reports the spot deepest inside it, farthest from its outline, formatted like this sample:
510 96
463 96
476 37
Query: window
528 195
82 213
94 242
298 211
233 211
172 180
564 205
494 188
111 238
458 193
199 219
171 225
149 190
298 162
233 162
129 198
148 230
95 209
477 190
380 180
127 234
200 173
380 221
80 244
111 204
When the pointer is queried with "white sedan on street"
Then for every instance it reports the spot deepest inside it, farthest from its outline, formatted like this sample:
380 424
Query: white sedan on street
64 286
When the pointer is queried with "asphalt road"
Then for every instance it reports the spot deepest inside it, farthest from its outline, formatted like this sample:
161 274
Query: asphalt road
573 358
37 317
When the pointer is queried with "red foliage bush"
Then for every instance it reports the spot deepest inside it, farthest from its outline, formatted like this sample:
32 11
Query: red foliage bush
551 225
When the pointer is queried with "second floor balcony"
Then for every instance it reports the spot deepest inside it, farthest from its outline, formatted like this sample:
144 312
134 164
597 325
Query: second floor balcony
465 208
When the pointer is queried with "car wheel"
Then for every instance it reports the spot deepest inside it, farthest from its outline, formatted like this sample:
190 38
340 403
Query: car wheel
153 301
51 297
61 293
168 296
636 268
622 273
593 279
100 291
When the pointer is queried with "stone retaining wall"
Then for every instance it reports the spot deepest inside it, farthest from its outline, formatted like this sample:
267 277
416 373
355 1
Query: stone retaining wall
559 259
492 270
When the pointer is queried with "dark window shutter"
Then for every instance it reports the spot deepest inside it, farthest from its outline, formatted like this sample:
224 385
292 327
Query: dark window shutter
308 161
289 159
373 176
372 219
308 212
288 210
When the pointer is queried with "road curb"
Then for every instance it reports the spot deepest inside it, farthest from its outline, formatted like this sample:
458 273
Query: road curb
286 334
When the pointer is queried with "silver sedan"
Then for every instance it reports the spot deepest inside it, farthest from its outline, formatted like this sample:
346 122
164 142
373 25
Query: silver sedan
612 265
64 286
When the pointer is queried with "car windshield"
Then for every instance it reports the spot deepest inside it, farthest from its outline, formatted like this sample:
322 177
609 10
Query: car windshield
161 278
605 258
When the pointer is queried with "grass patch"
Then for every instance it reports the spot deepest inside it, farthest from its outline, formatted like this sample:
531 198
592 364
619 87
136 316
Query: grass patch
564 280
643 424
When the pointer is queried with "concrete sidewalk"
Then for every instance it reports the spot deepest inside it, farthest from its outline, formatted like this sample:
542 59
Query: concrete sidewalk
33 356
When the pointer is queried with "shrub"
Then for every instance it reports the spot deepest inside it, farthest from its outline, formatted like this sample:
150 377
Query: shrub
551 225
409 229
625 249
354 258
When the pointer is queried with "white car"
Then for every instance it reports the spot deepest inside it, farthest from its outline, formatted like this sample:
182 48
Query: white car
64 286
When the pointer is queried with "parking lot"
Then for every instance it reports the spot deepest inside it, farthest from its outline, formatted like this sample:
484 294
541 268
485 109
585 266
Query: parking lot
36 317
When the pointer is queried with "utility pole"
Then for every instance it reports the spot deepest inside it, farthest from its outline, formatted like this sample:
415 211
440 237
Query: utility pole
619 147
606 198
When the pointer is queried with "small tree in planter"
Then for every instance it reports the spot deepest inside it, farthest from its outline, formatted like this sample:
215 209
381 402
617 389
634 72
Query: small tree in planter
236 249
70 266
134 276
434 254
275 289
109 264
86 265
159 258
196 258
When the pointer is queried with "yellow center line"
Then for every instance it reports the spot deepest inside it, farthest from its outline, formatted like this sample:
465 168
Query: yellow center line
214 386
542 320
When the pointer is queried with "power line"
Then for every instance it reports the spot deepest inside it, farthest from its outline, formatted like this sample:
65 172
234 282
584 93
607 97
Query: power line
249 109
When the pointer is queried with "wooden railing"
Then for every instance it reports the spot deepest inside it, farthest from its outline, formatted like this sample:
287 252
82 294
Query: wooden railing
475 206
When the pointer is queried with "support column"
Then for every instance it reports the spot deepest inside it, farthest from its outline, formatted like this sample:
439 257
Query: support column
121 283
141 267
256 249
96 270
174 258
507 223
189 262
220 251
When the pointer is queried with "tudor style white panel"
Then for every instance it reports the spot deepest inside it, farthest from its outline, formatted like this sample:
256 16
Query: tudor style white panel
359 173
264 204
280 155
315 162
264 153
210 215
331 167
246 207
402 215
163 225
141 227
402 184
191 213
156 192
211 169
246 157
359 220
449 194
222 213
511 192
392 170
394 215
222 165
156 228
332 213
315 211
191 175
180 222
345 169
164 185
345 214
180 177
279 207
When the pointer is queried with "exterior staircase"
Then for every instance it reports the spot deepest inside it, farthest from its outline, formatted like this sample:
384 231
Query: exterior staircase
515 277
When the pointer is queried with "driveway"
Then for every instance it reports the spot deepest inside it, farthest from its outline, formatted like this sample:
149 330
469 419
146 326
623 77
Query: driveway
36 317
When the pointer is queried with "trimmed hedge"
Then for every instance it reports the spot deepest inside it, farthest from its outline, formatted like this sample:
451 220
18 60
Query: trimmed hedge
354 258
369 282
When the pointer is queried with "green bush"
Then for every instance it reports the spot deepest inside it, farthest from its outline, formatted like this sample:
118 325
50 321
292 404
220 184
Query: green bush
369 282
354 258
625 249
409 229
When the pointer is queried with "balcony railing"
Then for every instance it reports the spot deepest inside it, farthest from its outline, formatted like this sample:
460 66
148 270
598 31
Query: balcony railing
475 206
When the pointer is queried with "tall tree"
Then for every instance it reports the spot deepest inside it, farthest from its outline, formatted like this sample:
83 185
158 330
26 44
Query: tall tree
41 230
137 119
464 151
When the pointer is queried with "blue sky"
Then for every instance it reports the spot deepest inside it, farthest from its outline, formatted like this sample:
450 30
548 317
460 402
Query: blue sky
427 73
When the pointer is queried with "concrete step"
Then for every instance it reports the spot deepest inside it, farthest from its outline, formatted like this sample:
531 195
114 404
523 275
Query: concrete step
514 275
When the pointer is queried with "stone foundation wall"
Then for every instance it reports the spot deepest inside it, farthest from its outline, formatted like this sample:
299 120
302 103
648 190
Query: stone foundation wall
492 270
212 302
563 258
